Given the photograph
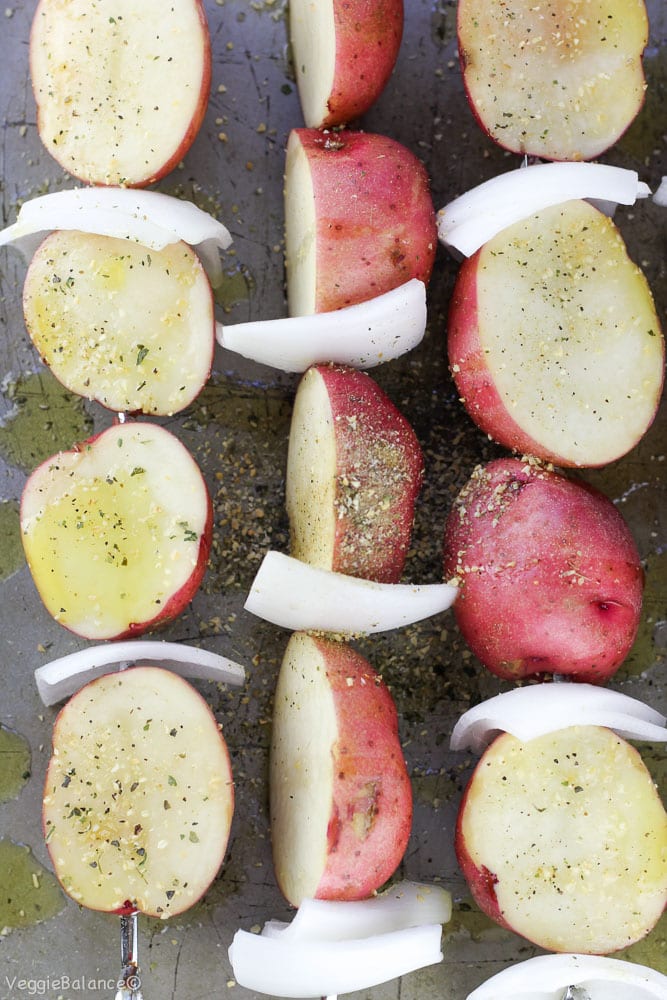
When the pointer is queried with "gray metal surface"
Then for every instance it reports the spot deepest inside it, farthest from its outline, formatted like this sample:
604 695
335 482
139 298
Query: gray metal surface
238 432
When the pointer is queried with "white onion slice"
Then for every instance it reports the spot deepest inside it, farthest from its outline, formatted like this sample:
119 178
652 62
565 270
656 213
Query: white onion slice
326 968
62 677
150 218
296 596
471 220
537 709
547 976
362 335
406 904
660 196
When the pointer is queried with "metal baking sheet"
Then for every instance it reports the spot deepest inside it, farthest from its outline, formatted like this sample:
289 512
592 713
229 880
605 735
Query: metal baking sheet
237 429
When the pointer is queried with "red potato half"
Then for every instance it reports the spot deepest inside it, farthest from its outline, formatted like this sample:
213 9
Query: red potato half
344 52
341 800
121 87
563 839
130 327
117 531
138 797
561 80
354 470
554 341
550 577
359 219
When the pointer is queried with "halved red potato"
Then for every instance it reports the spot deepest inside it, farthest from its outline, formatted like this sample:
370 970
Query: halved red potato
563 839
130 327
354 469
341 800
554 340
359 219
561 79
117 531
121 87
343 52
138 796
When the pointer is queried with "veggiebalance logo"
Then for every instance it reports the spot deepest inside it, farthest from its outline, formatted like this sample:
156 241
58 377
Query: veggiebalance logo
60 986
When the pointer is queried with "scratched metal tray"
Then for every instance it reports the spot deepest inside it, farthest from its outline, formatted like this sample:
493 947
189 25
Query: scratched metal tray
238 428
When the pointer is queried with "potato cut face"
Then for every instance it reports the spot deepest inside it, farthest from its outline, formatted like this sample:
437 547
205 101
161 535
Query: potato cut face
305 730
312 475
570 334
120 86
112 532
138 797
571 831
313 37
561 80
130 327
300 231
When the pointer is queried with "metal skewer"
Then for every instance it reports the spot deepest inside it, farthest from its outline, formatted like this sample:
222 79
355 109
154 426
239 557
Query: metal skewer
129 983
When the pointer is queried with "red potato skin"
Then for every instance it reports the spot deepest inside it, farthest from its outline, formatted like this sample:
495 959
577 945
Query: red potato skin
551 580
128 906
376 225
356 399
371 814
188 137
368 38
481 881
179 600
472 376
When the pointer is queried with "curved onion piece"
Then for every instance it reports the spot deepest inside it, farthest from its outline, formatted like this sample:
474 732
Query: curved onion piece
537 709
476 216
62 677
296 596
660 196
406 904
285 968
150 218
547 976
362 335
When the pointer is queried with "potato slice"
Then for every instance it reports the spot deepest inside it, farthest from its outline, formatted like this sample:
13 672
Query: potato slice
138 796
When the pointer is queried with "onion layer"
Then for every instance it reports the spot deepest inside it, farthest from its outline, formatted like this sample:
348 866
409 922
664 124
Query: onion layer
150 218
537 709
326 968
471 220
362 335
62 677
547 976
405 904
296 596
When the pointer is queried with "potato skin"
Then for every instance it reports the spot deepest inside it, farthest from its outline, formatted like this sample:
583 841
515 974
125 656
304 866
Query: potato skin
376 225
371 812
368 37
551 580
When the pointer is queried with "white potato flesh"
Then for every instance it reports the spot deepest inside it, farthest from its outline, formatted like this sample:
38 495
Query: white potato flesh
313 38
132 328
572 828
570 333
305 730
312 474
300 231
138 796
560 79
113 531
118 84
